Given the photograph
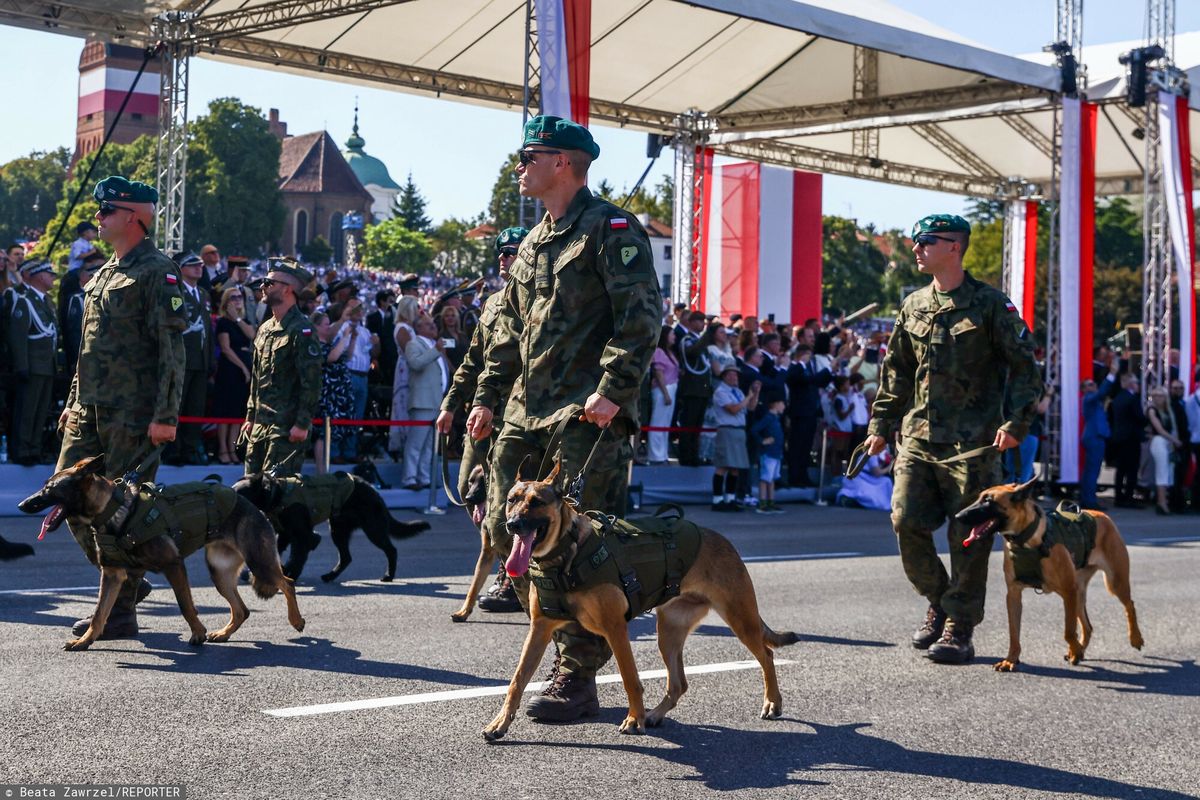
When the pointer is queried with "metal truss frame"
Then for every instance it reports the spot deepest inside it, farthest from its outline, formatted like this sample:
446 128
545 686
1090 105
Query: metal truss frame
172 132
1157 258
688 234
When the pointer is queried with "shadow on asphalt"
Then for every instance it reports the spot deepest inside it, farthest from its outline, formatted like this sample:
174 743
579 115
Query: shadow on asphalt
796 758
1167 676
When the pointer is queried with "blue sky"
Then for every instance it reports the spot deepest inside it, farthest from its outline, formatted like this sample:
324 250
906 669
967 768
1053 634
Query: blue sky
454 150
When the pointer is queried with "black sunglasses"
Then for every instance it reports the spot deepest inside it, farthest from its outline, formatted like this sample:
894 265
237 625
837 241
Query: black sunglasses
526 157
265 282
107 209
928 239
508 251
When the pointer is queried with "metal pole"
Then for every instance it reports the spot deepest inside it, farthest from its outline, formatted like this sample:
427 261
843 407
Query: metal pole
821 472
432 508
328 441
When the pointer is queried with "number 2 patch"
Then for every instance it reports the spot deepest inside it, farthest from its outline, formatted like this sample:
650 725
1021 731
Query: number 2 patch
628 254
176 303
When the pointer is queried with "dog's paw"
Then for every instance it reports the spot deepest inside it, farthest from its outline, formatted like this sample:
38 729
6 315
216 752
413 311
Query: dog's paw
1136 641
216 636
387 578
771 710
497 728
460 616
77 644
329 577
654 720
1073 656
300 625
631 725
197 639
1005 666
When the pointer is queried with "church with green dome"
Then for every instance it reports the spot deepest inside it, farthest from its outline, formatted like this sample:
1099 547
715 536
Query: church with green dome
372 173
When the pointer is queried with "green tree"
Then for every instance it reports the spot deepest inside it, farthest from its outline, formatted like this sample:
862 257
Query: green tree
901 275
409 207
852 266
985 255
29 192
317 251
1117 281
455 253
233 198
392 246
504 208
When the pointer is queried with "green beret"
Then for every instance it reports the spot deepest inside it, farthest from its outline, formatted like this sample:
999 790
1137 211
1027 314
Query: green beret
510 237
289 267
116 188
561 134
941 223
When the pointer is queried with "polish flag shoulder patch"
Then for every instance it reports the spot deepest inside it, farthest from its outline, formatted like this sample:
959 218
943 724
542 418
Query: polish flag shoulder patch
171 279
306 331
618 223
1008 305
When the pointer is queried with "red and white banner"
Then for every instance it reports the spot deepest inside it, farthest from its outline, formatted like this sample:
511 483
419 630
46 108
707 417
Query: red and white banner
1022 220
1077 220
762 234
564 53
1176 153
103 89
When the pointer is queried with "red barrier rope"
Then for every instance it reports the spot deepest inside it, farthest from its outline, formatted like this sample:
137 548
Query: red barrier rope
400 423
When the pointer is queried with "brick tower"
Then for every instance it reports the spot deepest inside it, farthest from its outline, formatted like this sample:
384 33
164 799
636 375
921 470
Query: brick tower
106 72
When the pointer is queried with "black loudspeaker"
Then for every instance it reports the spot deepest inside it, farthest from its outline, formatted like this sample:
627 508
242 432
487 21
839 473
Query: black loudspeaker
654 144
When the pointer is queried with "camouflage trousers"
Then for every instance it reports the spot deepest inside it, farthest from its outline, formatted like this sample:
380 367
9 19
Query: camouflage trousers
925 496
606 488
90 431
269 449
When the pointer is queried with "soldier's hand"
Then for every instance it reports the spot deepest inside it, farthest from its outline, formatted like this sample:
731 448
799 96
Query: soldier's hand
1005 441
445 421
875 445
599 410
63 418
297 434
479 423
160 433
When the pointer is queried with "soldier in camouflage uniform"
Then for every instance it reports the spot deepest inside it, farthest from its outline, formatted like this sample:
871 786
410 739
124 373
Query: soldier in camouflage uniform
501 597
579 323
957 345
129 375
32 340
285 383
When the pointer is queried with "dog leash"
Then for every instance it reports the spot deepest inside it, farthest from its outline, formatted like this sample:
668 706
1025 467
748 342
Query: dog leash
134 476
978 451
442 442
575 487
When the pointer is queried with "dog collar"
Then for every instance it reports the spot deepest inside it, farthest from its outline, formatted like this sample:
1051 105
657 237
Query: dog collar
117 510
1025 534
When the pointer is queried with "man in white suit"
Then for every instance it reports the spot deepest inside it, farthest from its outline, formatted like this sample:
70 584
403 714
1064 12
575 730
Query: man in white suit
428 378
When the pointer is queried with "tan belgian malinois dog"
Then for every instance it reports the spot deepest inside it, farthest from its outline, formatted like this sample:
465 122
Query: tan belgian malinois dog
81 494
539 517
1011 510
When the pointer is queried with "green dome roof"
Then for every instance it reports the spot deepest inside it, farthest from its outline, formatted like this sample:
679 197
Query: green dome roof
368 169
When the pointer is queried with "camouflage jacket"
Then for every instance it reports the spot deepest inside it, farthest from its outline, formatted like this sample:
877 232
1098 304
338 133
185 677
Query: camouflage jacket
948 366
131 352
581 314
466 377
33 334
285 382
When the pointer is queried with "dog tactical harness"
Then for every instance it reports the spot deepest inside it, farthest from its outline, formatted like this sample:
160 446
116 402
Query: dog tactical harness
647 557
1065 525
189 513
323 495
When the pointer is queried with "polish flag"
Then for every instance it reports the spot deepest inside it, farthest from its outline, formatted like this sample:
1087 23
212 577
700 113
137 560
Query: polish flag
564 50
103 89
763 235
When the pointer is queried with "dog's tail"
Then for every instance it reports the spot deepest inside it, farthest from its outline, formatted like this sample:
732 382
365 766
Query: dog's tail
403 530
777 640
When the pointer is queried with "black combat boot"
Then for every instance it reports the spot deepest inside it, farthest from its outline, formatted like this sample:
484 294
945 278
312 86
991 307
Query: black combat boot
501 598
567 697
122 621
13 550
931 631
955 645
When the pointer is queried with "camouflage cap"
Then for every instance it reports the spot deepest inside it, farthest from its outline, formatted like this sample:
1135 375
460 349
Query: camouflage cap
290 268
941 223
510 237
120 189
31 268
560 133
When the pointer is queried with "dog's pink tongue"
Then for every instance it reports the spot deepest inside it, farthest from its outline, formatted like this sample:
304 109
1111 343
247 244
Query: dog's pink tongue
51 521
976 533
518 560
477 513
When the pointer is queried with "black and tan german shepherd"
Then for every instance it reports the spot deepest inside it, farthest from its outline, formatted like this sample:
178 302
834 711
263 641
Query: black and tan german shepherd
363 509
81 493
538 517
1011 510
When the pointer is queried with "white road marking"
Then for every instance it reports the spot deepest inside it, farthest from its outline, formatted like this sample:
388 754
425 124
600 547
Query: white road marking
95 587
1167 540
801 557
490 691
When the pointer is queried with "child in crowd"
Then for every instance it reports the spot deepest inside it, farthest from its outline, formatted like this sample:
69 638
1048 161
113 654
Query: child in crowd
729 406
768 431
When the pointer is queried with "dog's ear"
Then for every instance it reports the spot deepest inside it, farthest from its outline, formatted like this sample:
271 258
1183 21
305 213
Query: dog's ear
1025 490
521 469
91 466
552 478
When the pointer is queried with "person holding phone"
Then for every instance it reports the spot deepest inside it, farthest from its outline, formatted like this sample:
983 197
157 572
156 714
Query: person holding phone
363 346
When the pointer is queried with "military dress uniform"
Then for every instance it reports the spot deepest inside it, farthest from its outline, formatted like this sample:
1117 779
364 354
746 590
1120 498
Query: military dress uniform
130 368
581 314
197 344
32 341
949 361
285 385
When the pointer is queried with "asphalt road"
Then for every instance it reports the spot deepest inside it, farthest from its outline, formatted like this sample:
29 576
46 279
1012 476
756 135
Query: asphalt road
864 715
